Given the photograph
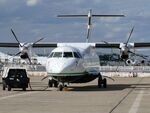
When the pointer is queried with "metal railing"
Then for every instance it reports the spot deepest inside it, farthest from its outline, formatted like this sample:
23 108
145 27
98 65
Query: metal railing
144 69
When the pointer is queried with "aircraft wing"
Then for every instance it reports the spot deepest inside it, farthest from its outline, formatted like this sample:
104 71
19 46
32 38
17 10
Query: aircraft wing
108 45
38 45
142 45
97 45
118 45
44 45
11 45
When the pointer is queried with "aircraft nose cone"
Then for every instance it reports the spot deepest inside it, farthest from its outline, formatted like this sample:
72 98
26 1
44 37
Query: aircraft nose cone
62 67
66 68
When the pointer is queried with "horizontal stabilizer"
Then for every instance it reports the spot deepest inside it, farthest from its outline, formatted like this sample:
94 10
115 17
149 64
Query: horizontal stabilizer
91 15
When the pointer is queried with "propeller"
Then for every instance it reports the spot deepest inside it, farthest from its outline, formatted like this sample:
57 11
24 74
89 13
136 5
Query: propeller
125 48
129 36
24 48
16 37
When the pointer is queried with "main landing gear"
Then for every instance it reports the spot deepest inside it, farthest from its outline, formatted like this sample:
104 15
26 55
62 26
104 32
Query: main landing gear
102 82
61 86
56 84
52 83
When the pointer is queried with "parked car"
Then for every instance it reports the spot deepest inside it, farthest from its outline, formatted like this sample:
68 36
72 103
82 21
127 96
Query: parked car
15 77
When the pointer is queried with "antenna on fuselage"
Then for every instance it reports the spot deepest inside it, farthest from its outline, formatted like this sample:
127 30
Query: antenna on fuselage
89 26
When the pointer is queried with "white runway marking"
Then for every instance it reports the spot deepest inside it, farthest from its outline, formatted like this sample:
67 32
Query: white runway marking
136 104
15 95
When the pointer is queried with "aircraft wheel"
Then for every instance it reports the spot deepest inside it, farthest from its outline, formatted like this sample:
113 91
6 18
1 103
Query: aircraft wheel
9 88
105 83
24 88
99 81
60 87
50 83
65 85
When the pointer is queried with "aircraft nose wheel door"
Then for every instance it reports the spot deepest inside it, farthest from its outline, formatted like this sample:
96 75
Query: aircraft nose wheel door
102 82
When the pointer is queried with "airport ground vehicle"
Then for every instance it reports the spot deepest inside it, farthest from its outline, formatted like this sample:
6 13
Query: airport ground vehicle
15 77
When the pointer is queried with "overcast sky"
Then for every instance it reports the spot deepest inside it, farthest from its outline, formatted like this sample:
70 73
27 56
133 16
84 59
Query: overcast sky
33 19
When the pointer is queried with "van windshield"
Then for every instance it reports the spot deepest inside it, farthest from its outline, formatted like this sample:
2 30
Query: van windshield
17 73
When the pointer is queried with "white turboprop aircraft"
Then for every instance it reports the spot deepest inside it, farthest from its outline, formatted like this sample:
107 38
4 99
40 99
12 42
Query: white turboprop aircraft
65 63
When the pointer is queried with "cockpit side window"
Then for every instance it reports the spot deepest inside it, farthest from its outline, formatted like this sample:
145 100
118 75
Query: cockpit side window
67 54
51 55
76 55
57 54
79 54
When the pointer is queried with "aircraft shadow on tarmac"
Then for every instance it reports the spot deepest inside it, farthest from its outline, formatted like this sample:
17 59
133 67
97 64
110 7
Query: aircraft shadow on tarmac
110 87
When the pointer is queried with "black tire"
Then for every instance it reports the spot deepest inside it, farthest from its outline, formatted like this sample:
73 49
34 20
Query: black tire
105 83
99 82
4 85
9 88
55 83
60 87
50 83
24 88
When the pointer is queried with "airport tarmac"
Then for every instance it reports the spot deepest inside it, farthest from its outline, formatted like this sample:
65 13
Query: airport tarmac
124 95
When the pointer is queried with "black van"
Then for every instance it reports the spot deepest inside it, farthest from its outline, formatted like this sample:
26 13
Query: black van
15 78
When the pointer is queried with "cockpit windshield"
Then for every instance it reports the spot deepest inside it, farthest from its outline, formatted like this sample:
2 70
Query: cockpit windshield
65 55
77 55
51 55
57 54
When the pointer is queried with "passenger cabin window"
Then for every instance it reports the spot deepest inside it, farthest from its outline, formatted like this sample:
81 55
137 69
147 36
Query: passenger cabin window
57 54
67 54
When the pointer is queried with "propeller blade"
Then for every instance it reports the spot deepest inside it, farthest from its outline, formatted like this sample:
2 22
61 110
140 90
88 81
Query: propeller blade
17 53
138 54
129 36
16 37
38 40
30 61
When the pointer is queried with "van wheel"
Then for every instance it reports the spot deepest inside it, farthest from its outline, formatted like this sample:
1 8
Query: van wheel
4 87
9 88
24 89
